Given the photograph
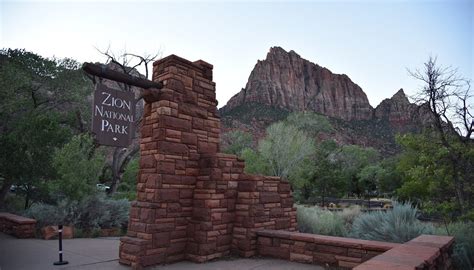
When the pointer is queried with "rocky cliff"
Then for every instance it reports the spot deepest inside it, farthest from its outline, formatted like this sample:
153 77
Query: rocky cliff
402 115
287 81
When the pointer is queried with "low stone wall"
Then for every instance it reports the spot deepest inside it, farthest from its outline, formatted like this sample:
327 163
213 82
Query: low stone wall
263 202
18 226
424 252
319 249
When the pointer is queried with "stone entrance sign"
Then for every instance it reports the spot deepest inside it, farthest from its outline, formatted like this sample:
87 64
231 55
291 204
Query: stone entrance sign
193 202
113 116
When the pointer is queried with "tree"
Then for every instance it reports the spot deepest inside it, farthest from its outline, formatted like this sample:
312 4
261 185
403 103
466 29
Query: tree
78 168
255 163
428 175
311 123
40 101
448 100
27 154
352 160
320 175
391 179
236 141
370 180
129 180
284 148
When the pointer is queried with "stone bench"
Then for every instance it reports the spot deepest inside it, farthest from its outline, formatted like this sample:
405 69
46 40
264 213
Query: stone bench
18 226
425 252
319 249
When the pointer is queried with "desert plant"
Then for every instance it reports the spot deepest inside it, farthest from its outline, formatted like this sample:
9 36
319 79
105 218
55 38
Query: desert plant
97 211
349 214
44 214
49 215
92 213
463 251
397 225
319 221
118 213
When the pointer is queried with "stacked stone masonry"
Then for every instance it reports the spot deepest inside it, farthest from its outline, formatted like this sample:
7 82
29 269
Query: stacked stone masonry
425 252
18 226
192 201
319 249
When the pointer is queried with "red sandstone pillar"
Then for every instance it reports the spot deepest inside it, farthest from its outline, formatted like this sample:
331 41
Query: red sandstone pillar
193 202
179 124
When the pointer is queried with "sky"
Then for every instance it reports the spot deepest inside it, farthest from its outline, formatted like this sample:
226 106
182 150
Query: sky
373 42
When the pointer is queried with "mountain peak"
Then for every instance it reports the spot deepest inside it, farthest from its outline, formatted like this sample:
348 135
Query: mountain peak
277 50
400 95
287 81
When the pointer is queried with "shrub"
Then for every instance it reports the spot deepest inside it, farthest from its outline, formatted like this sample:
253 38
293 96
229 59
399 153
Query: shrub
78 165
463 252
48 215
92 213
350 213
319 221
44 214
13 204
397 225
97 211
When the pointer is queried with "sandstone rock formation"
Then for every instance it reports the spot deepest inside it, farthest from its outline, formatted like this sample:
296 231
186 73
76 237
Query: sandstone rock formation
287 81
399 112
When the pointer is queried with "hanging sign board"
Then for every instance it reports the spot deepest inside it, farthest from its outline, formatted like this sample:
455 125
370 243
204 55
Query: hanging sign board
113 116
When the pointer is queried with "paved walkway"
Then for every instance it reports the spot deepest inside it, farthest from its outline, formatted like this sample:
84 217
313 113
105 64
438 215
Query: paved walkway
102 253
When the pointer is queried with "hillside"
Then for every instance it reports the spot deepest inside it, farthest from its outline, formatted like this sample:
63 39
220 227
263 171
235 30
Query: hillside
285 82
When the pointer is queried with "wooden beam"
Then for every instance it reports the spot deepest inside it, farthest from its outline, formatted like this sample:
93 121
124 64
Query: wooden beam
110 74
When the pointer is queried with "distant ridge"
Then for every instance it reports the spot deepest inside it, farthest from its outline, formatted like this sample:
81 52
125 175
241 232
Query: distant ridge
286 82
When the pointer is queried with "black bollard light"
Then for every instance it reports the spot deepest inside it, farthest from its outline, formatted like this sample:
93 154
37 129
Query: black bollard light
60 262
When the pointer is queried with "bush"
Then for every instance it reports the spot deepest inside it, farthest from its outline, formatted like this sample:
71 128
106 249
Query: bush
92 213
97 211
397 225
463 252
49 215
78 166
349 214
318 221
14 204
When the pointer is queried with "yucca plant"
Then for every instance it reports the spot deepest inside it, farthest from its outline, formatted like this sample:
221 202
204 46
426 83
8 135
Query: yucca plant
463 251
318 221
397 225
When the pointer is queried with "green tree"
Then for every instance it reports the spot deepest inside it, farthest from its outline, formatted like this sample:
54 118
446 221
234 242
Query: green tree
428 174
26 154
255 163
284 148
443 156
352 159
311 123
42 101
78 168
320 174
370 179
236 141
391 180
127 186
